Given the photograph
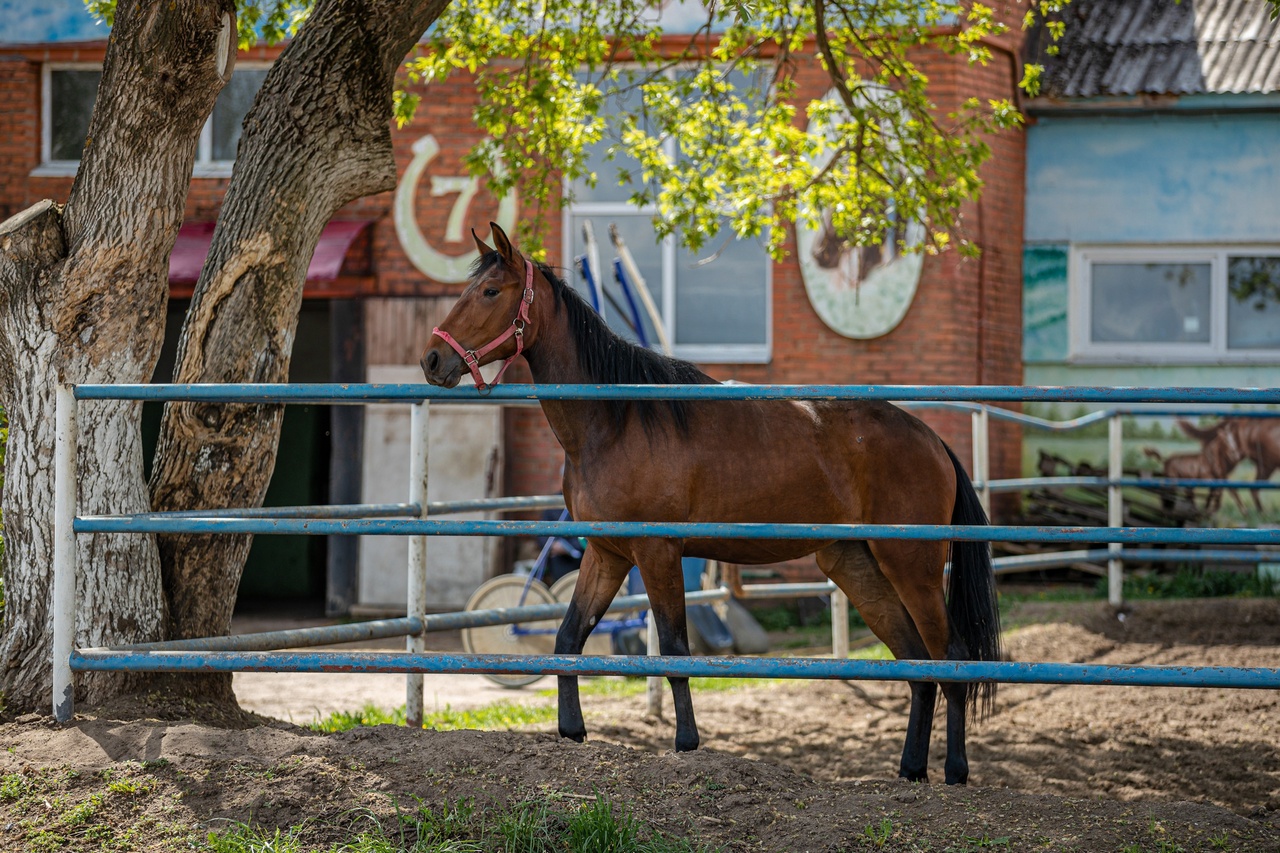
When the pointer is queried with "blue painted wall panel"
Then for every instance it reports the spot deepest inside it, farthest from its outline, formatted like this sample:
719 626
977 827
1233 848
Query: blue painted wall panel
1044 303
1154 179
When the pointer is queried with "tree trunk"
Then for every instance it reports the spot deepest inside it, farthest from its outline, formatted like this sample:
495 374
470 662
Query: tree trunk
318 136
83 291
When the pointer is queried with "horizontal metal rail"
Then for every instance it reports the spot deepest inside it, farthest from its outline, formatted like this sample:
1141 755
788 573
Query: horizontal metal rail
149 523
786 590
511 504
1261 678
404 393
397 510
1054 559
1023 483
1092 417
406 626
410 626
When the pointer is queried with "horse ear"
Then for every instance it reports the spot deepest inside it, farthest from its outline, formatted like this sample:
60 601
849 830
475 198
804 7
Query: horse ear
481 246
501 243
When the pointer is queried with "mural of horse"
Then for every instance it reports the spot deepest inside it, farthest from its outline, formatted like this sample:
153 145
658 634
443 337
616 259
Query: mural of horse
734 461
1255 439
1197 466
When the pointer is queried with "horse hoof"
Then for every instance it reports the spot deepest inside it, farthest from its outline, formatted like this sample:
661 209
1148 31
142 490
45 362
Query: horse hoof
914 776
686 746
577 737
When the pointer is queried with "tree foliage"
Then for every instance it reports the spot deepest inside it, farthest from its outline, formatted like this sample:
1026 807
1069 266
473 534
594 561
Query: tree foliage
745 153
705 127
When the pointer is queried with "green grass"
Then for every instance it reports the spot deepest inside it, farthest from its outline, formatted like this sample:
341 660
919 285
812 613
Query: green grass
540 826
499 715
1195 583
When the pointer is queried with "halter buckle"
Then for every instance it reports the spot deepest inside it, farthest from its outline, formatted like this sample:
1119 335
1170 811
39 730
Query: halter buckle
470 358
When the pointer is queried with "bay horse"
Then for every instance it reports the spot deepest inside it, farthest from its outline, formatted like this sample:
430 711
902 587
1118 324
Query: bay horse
734 461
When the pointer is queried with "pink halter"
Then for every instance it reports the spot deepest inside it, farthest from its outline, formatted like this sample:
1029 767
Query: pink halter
472 357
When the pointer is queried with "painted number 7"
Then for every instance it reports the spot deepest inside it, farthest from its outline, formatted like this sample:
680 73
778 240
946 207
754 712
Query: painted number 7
428 259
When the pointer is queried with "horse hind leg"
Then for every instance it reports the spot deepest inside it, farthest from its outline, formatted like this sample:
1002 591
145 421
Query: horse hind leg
853 568
915 570
659 563
599 579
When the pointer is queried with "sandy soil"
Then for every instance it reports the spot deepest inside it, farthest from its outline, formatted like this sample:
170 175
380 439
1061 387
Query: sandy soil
785 766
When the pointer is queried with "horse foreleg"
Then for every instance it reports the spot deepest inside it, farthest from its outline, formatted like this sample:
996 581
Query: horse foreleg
599 578
660 569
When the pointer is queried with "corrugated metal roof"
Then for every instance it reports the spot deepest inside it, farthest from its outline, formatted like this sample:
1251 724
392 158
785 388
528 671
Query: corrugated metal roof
1162 47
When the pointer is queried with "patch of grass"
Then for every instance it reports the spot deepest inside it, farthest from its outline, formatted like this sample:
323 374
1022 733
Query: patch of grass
499 715
1196 583
84 812
596 825
14 786
242 838
878 836
625 686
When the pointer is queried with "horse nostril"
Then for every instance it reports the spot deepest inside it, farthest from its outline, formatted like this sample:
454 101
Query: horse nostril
432 360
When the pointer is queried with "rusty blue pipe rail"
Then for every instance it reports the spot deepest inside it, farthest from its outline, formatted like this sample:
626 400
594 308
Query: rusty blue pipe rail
1259 678
249 393
154 523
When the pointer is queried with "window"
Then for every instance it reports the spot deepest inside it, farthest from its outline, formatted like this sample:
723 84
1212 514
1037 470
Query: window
69 93
1212 304
714 305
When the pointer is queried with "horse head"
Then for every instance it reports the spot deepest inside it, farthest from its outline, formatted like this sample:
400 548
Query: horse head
489 320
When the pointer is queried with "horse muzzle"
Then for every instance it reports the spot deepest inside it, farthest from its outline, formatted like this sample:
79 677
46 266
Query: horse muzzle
441 365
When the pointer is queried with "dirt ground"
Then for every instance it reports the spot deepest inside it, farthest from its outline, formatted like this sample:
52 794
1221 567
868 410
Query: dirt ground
785 766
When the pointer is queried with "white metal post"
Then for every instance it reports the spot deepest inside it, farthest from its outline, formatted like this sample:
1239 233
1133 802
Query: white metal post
419 437
1115 510
64 550
981 423
839 625
653 686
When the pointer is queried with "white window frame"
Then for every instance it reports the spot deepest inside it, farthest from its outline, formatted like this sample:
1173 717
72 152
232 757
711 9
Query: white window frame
205 165
1215 351
761 353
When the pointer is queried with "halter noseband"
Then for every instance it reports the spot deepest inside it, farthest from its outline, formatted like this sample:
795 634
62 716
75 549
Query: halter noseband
471 358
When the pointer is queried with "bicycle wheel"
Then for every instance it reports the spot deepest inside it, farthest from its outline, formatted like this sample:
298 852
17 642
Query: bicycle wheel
509 591
599 642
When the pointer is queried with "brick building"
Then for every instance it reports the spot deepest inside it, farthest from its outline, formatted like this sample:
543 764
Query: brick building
386 272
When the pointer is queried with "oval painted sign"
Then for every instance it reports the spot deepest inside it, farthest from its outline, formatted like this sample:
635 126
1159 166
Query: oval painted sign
858 291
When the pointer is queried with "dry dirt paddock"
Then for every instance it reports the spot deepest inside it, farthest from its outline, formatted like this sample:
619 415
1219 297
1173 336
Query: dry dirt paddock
785 766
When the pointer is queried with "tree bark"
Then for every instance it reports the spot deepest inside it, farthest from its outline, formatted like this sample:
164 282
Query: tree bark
83 290
317 137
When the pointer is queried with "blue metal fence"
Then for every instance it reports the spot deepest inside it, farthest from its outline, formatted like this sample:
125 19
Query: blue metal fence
411 519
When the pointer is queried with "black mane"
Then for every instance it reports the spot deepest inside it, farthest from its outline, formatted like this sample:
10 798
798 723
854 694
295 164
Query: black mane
608 359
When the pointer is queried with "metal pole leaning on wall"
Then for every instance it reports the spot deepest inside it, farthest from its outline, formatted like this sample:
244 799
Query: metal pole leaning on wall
66 434
416 604
1115 508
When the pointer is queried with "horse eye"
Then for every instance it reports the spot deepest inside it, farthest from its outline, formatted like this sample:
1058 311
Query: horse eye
491 292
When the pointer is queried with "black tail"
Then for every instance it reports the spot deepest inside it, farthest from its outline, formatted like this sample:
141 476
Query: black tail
971 592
